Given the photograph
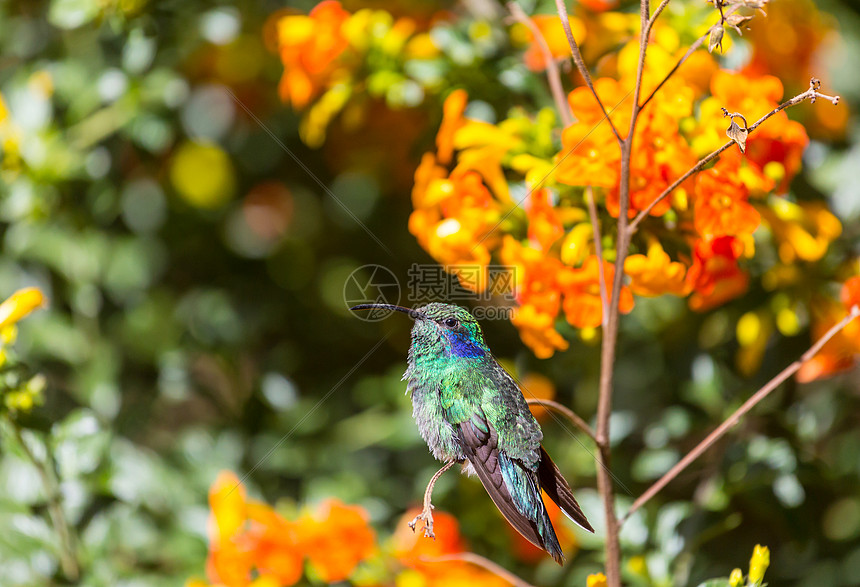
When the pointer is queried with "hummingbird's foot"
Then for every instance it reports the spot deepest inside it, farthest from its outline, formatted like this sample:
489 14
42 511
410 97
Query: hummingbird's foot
425 516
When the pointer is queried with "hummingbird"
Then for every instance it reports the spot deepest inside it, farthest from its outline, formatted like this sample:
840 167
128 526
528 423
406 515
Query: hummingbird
470 411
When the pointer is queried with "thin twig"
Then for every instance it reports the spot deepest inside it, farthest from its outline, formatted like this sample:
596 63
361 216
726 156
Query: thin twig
598 250
654 16
564 411
68 556
756 398
698 43
553 75
478 560
580 64
811 94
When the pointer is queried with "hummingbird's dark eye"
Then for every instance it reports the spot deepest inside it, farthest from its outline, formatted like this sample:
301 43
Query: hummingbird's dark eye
451 322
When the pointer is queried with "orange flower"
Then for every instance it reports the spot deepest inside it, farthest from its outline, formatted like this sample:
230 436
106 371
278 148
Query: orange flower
420 554
715 275
615 98
452 120
721 206
336 537
544 225
555 37
535 276
309 46
840 352
655 274
582 303
538 295
590 156
453 221
850 294
247 535
779 141
537 331
596 580
427 171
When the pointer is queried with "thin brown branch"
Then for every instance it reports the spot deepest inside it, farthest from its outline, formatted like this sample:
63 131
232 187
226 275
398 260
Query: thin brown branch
698 43
564 411
654 17
598 250
478 560
753 401
68 556
580 64
605 487
811 94
553 75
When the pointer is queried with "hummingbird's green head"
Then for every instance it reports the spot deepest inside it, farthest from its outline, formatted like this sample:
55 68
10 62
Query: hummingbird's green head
441 328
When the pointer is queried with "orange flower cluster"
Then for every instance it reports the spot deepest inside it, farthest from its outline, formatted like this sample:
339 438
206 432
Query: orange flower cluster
309 46
250 539
433 563
456 213
465 216
329 57
252 545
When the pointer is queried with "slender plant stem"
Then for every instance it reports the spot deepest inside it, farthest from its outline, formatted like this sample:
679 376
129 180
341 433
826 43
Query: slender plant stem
580 64
475 559
68 555
553 75
698 43
598 250
811 94
654 16
605 486
564 411
729 422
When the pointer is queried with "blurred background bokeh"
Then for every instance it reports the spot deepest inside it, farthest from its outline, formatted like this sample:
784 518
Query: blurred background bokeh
195 270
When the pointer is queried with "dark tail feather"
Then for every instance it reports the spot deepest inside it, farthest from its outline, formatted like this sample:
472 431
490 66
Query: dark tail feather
559 491
534 524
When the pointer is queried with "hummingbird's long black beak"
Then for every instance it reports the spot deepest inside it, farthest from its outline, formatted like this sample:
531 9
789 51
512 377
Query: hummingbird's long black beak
414 314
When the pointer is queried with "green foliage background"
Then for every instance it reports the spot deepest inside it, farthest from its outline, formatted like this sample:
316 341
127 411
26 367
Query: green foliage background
179 343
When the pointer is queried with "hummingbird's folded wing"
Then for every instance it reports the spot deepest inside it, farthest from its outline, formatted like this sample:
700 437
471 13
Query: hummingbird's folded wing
558 490
501 476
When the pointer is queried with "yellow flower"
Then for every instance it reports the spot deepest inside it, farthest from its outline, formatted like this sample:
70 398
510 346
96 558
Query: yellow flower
655 274
736 579
758 564
802 231
596 580
19 305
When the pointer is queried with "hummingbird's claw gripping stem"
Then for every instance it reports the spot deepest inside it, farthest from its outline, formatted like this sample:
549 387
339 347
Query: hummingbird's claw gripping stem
426 514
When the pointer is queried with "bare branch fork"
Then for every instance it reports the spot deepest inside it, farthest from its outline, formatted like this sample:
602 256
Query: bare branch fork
754 400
